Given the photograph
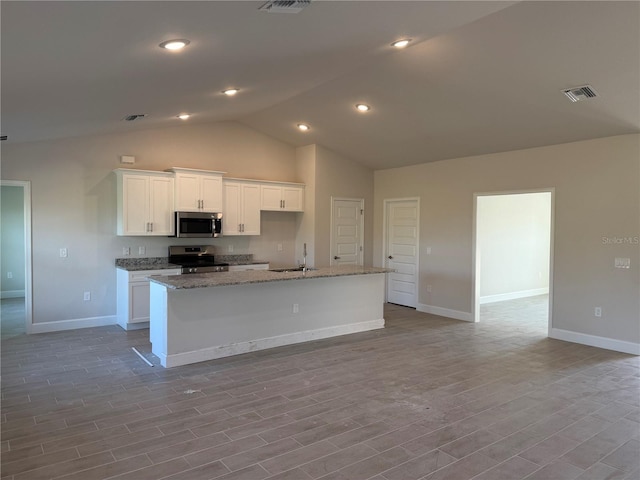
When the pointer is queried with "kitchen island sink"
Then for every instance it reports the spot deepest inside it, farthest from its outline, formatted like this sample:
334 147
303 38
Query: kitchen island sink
292 269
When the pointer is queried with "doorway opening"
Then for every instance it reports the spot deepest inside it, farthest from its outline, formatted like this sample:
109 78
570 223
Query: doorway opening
401 240
513 252
15 228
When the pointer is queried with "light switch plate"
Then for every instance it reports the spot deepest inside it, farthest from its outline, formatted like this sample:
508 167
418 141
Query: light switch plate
63 253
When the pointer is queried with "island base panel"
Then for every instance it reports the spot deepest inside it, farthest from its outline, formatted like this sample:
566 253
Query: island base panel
199 324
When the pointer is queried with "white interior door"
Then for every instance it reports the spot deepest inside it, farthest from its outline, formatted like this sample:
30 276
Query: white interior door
347 224
402 220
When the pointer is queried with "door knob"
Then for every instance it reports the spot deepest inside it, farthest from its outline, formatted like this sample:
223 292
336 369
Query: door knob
389 257
336 258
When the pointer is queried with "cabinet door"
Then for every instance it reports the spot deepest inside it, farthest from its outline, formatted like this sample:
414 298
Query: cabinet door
271 197
161 206
251 209
139 302
188 192
211 194
135 205
293 199
231 211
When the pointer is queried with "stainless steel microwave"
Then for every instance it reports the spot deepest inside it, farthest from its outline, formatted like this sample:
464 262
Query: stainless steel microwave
198 224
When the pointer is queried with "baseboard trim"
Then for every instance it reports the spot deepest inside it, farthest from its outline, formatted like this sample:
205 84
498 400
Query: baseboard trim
595 341
134 326
211 353
11 294
46 327
501 297
445 312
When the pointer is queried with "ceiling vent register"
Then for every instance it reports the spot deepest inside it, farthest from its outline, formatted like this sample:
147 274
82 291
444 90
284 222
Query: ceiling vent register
577 94
285 6
131 118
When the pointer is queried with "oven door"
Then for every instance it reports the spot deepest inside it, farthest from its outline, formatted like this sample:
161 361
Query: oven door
198 224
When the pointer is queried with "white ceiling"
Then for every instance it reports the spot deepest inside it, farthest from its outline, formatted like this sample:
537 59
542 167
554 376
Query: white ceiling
479 77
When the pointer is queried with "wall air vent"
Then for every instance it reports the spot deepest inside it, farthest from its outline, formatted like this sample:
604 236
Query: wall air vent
285 6
3 137
576 94
131 118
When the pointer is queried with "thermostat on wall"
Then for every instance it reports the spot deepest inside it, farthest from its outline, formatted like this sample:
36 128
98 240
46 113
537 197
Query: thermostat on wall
127 159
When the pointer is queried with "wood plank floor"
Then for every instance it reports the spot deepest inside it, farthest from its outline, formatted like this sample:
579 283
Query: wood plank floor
425 398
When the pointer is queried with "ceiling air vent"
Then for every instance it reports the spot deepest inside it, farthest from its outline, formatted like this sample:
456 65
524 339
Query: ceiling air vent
131 118
285 6
576 94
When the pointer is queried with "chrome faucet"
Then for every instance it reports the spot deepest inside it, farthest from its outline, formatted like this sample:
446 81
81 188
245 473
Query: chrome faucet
304 257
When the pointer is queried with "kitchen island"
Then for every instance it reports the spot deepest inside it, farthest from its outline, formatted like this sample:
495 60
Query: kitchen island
206 316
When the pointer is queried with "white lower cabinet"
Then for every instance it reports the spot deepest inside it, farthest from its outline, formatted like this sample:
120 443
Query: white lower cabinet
133 297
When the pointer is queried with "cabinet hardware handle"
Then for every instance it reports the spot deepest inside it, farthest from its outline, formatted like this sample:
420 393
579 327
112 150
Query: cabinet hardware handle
151 225
336 258
390 257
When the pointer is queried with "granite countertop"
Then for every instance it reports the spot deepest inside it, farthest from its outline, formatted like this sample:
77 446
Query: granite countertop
205 280
139 264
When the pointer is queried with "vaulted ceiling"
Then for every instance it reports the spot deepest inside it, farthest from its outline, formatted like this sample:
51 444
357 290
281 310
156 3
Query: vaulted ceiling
477 77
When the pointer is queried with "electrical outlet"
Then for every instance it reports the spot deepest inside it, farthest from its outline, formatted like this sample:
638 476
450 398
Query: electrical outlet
63 253
623 262
296 308
87 296
9 274
230 248
126 251
141 250
279 247
428 288
597 311
428 250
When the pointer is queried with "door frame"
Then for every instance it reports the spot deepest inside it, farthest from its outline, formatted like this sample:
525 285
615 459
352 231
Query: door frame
385 237
475 258
361 226
28 269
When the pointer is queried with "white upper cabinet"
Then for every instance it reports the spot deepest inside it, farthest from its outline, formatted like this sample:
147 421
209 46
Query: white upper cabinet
241 213
145 203
282 197
198 190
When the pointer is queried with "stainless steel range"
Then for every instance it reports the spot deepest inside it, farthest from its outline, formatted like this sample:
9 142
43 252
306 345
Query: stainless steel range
196 259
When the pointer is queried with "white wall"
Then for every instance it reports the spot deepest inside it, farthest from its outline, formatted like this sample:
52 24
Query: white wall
512 242
74 205
12 240
597 194
330 175
338 176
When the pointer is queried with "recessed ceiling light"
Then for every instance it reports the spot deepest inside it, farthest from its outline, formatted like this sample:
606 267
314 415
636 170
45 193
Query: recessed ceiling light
184 116
401 43
231 91
304 127
361 107
176 44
